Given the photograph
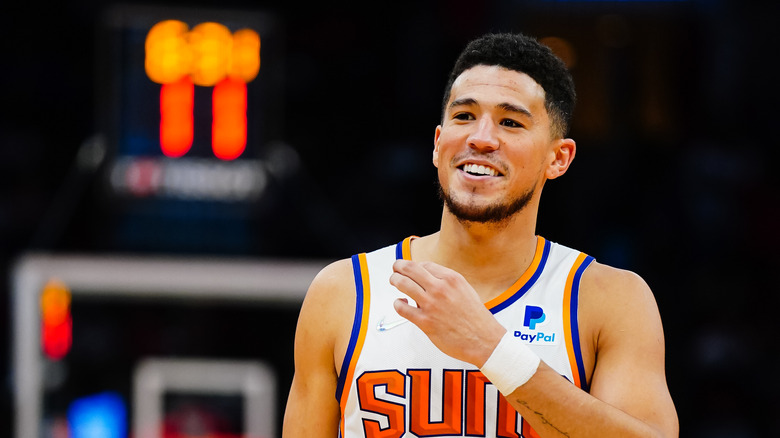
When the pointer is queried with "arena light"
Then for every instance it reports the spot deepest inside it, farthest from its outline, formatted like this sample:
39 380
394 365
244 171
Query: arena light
56 321
246 62
177 127
168 54
563 48
212 49
208 55
228 131
101 415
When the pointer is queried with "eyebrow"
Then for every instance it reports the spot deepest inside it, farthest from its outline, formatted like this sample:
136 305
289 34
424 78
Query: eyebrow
515 109
469 101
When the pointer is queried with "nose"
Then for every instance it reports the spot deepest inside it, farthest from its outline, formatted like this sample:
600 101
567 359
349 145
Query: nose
485 135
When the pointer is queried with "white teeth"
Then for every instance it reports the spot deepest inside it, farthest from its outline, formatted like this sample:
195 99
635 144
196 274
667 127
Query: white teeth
479 169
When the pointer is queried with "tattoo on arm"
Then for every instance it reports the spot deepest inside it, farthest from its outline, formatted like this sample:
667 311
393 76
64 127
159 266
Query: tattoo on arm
542 418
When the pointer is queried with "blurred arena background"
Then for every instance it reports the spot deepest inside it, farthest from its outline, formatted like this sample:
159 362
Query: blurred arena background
195 266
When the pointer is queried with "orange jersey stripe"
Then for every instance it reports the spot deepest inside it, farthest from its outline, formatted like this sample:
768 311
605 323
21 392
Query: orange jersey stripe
358 345
523 278
567 327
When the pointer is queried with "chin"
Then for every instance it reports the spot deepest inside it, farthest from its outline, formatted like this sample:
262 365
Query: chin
495 213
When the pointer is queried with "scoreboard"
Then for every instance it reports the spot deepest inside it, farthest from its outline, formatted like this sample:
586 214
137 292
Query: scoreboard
189 108
178 58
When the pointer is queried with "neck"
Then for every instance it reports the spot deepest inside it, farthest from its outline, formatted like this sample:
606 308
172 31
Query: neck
490 256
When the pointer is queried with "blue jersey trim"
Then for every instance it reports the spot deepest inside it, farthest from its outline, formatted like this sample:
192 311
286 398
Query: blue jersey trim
575 330
528 284
353 337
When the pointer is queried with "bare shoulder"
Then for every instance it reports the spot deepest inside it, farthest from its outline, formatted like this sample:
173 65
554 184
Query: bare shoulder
330 293
607 290
616 310
327 312
624 342
613 280
620 322
322 325
332 277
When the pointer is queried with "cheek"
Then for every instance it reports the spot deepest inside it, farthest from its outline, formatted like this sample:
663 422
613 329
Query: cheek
442 153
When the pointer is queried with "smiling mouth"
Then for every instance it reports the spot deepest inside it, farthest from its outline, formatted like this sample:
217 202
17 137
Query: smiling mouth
479 170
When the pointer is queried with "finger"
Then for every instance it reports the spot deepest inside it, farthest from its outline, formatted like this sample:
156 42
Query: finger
406 310
415 271
407 285
438 271
441 277
450 280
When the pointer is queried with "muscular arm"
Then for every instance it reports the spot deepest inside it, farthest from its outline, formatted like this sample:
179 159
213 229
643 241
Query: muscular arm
312 409
628 396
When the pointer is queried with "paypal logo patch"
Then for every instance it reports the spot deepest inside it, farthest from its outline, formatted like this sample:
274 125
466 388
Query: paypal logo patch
533 315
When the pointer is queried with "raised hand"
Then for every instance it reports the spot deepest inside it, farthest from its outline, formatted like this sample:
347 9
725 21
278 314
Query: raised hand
448 310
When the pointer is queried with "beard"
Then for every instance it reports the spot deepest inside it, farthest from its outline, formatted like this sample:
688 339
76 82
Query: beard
494 214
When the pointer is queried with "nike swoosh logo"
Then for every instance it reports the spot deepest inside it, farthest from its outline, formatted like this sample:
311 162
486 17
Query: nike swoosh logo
385 326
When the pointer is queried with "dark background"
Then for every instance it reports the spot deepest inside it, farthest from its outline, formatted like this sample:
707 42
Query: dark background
673 178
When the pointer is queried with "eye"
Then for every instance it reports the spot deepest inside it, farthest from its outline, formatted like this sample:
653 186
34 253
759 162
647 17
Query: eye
463 116
510 123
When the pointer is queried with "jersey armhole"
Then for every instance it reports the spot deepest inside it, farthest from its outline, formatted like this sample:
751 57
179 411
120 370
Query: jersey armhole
571 322
359 325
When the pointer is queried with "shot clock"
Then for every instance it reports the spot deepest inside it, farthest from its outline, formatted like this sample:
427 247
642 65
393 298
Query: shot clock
190 107
209 55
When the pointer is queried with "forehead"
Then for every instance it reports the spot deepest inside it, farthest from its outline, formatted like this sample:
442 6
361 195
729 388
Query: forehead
494 84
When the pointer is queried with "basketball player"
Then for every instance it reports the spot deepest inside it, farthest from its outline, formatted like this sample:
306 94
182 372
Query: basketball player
484 328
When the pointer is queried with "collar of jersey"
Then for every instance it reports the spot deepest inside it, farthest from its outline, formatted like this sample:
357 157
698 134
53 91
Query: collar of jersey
514 292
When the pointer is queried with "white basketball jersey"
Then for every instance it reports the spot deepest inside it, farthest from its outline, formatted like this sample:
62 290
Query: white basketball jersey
395 383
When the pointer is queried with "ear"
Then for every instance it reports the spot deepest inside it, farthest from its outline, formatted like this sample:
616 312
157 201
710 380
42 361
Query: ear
436 137
562 155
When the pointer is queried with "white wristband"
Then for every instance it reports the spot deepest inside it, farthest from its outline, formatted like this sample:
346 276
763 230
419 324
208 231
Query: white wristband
510 365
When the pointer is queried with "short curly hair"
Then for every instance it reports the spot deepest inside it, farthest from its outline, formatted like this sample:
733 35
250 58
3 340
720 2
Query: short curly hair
524 54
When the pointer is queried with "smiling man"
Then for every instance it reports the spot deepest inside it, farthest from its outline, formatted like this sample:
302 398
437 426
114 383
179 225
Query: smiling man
484 328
